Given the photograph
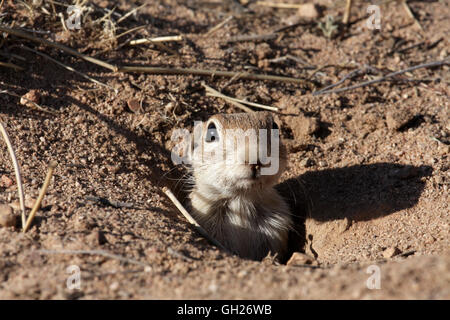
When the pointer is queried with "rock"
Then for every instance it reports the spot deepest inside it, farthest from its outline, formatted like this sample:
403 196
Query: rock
29 202
307 126
127 237
114 286
306 162
391 252
31 96
308 10
6 181
299 258
428 239
100 237
169 107
263 50
302 126
396 119
7 217
134 105
93 238
324 234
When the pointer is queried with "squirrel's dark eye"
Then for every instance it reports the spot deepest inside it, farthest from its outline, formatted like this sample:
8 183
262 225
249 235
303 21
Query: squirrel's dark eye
212 134
275 126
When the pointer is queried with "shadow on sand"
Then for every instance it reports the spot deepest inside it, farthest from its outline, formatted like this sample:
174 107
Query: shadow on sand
358 193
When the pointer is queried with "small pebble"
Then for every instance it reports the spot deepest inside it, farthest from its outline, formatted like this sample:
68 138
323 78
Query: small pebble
134 105
7 217
396 119
29 202
322 163
299 258
391 252
306 162
114 286
29 97
308 10
6 181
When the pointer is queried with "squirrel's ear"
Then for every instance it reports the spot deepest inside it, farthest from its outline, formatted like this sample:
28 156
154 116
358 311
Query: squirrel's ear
275 125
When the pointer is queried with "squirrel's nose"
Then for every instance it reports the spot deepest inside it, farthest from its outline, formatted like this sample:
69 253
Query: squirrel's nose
256 170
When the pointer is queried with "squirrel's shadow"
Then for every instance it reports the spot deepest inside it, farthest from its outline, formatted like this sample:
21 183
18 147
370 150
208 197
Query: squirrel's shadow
358 193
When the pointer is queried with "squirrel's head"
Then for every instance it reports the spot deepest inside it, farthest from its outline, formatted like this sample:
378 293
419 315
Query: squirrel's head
235 154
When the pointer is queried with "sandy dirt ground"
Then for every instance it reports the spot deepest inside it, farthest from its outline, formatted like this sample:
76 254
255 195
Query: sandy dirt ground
368 176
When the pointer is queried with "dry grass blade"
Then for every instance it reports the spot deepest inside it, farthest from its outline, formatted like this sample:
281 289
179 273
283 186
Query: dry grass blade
278 5
162 46
130 31
214 93
348 8
253 104
16 171
156 39
131 12
25 35
220 25
253 37
157 70
438 63
11 65
191 219
338 66
204 72
51 167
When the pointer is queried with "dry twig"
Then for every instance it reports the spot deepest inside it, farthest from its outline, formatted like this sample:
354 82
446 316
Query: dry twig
11 65
191 219
220 25
278 5
348 8
25 35
205 72
214 93
154 70
156 39
16 171
387 77
51 167
253 37
350 75
131 12
211 92
70 68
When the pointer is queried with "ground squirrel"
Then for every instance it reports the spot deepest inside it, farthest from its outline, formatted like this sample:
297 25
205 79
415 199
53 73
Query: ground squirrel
234 168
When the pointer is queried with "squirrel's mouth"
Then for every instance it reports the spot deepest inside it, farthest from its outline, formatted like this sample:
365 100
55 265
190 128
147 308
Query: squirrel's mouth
249 182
